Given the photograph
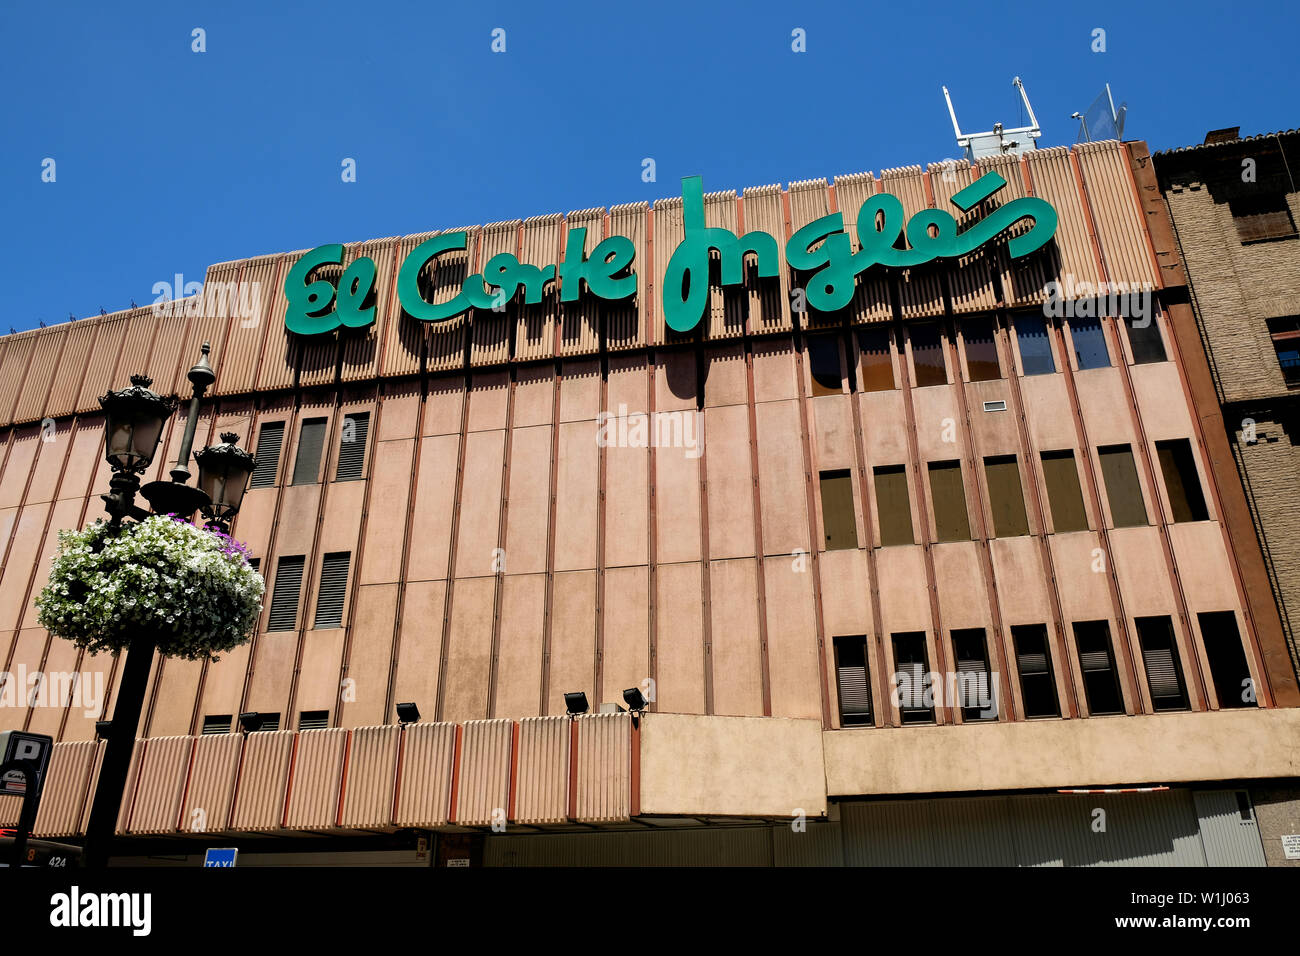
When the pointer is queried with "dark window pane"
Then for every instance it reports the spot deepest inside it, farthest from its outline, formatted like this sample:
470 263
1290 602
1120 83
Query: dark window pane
912 677
1006 499
269 440
1122 486
1288 359
1232 681
1160 659
927 354
893 508
306 469
1097 661
1262 217
1144 340
981 350
877 364
974 682
837 510
1089 343
951 522
1063 492
824 364
852 677
1035 347
1182 484
1034 661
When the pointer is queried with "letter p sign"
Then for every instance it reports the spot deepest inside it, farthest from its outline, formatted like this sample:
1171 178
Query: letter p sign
15 745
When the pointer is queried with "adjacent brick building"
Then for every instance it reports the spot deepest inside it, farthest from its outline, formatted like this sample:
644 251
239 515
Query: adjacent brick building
1234 206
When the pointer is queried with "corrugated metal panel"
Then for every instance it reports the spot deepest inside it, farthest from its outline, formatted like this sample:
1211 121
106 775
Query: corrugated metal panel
714 846
1228 838
66 789
1053 179
424 795
484 774
371 774
809 200
403 337
491 331
970 278
162 784
141 328
871 297
165 361
279 349
103 361
224 295
46 354
128 792
361 347
98 759
535 332
542 790
263 775
820 844
625 321
1115 210
580 320
206 805
604 768
920 289
13 371
261 280
669 232
316 778
71 369
769 299
11 809
1023 280
447 339
728 307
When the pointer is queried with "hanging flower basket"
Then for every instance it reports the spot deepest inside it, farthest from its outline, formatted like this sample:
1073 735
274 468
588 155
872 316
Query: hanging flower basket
192 588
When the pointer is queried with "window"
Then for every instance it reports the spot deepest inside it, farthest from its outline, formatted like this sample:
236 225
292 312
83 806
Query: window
255 564
876 361
352 447
1144 340
951 523
1100 682
284 598
927 354
1006 500
824 364
1181 481
893 509
975 691
1262 217
311 439
333 589
1285 334
1034 661
1063 493
269 441
313 720
1232 681
1160 658
270 722
981 350
912 678
1089 343
217 723
852 676
1122 486
1035 345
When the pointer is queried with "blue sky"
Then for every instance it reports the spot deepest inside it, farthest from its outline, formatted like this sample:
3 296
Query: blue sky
167 160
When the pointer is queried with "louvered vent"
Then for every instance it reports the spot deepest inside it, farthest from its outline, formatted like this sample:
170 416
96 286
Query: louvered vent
333 588
216 724
310 442
855 698
270 722
1094 660
1162 675
1034 662
313 720
284 600
269 442
352 446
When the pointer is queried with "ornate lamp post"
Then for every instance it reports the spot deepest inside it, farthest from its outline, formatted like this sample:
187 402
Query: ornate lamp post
134 418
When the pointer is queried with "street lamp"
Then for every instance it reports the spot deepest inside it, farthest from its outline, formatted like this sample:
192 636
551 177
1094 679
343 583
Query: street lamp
134 418
224 471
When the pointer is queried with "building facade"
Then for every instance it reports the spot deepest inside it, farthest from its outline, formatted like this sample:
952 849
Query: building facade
1234 203
909 566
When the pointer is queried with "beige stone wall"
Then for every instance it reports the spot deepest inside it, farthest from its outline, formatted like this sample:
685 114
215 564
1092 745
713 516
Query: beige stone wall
1277 813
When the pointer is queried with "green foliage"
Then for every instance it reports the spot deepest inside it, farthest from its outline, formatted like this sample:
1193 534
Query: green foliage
191 587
